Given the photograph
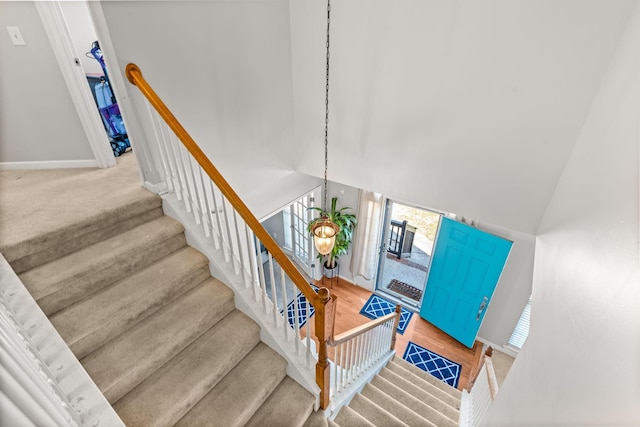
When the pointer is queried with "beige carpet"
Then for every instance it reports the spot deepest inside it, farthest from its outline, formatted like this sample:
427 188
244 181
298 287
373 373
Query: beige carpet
501 365
33 202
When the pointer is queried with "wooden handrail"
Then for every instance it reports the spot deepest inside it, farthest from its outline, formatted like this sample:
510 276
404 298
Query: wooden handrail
323 302
491 376
359 330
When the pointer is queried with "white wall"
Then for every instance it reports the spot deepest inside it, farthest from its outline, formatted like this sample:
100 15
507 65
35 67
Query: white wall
464 106
224 70
38 121
580 364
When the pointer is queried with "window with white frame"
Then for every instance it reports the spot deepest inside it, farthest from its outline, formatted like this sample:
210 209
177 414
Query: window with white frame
521 330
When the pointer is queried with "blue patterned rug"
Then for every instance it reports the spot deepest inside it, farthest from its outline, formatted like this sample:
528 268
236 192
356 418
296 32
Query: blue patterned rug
438 366
305 310
377 306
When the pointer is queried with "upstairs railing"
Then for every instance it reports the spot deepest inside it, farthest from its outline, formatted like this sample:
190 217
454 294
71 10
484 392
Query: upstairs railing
484 389
237 232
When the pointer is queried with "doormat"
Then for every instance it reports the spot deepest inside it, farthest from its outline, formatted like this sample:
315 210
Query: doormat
305 310
438 366
377 306
405 290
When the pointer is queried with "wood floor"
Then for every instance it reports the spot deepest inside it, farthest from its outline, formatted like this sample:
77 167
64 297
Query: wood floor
351 298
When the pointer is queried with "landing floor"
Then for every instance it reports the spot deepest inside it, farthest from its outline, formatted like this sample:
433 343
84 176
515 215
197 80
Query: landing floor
351 298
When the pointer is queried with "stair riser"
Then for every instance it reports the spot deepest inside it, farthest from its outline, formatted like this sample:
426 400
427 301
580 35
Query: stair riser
176 387
54 245
394 407
238 395
91 282
121 322
426 410
123 364
406 369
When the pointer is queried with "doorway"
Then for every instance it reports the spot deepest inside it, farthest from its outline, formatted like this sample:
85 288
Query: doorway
83 36
405 256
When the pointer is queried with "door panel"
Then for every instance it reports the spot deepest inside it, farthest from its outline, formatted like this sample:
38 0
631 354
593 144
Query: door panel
465 269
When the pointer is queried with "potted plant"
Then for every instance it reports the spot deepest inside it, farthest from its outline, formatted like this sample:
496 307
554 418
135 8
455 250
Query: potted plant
347 223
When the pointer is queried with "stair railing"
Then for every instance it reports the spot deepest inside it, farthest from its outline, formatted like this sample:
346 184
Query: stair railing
356 351
236 232
484 389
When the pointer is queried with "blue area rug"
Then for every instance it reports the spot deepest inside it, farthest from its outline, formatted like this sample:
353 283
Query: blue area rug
438 366
377 306
305 310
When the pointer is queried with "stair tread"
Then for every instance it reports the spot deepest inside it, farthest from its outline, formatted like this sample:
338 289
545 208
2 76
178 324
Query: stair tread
241 392
124 362
374 413
317 419
395 407
49 242
70 278
289 405
406 366
423 408
428 392
347 417
165 397
94 321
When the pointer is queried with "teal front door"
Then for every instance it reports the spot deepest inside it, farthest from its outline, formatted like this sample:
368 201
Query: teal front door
465 269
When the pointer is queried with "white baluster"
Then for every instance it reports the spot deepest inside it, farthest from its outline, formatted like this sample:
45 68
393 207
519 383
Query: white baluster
207 220
263 282
241 253
283 286
220 232
160 137
274 298
230 244
175 154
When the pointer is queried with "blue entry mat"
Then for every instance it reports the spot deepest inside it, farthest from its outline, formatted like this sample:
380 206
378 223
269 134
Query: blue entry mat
305 310
377 306
438 366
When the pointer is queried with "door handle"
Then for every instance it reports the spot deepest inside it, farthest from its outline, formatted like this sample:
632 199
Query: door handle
483 305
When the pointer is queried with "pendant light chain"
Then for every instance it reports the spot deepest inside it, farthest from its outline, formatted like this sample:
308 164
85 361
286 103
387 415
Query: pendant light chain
324 230
326 109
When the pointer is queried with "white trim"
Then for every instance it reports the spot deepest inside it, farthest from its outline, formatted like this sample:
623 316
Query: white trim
84 397
56 27
53 164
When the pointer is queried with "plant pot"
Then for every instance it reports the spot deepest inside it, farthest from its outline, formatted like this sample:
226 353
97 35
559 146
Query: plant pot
329 272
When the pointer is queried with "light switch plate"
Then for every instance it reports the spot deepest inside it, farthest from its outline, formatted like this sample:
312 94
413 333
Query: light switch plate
16 36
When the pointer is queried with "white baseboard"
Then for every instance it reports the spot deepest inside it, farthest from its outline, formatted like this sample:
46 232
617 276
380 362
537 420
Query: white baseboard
53 164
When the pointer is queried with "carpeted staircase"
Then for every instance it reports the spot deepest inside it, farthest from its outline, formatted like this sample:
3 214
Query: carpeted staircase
400 395
159 336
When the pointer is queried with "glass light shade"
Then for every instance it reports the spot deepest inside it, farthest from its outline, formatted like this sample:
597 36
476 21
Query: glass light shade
324 235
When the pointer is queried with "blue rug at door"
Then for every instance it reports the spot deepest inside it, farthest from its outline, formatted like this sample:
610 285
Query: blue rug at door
438 366
305 310
376 306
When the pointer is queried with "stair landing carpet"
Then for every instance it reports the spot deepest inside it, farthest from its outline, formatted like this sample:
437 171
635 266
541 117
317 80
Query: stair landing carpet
376 306
438 366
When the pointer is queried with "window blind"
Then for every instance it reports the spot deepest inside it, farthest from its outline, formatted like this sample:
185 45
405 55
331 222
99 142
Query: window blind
521 330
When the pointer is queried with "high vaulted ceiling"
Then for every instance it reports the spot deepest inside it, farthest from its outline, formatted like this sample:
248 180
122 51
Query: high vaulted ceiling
468 106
